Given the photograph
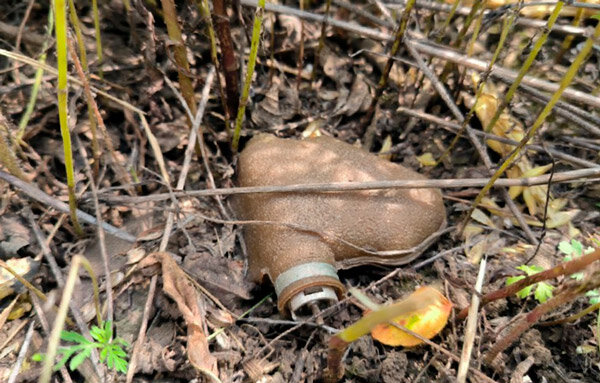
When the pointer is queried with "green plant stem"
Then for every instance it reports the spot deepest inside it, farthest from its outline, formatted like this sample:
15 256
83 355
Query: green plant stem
322 39
84 63
121 172
7 155
228 60
506 27
568 77
381 85
78 35
339 342
526 65
61 315
457 43
98 37
204 8
37 80
566 44
449 17
180 54
61 53
565 268
574 317
532 318
258 17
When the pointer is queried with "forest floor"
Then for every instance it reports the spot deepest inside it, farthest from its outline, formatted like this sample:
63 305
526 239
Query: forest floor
233 327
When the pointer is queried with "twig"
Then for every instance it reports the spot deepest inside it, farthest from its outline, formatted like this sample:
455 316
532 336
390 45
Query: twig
428 48
99 231
535 315
169 223
38 195
565 81
504 74
471 327
526 22
568 176
121 173
439 87
22 353
229 64
279 322
385 73
565 268
567 111
141 338
384 22
46 327
60 281
442 350
454 127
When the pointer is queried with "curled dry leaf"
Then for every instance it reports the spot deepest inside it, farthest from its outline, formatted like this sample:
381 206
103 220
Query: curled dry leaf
177 285
427 321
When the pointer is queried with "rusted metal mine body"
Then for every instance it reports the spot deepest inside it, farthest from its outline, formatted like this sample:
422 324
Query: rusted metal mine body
301 257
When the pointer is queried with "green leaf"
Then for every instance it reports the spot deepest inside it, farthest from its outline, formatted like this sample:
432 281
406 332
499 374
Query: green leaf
543 292
118 351
121 365
577 247
80 358
66 354
597 17
524 293
511 280
103 354
98 334
75 337
121 341
594 296
108 332
565 247
578 276
530 269
37 357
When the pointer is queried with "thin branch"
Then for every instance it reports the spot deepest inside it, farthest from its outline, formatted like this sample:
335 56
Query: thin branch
38 195
568 176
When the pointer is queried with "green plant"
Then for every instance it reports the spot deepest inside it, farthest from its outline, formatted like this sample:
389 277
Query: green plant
258 18
111 350
571 250
543 290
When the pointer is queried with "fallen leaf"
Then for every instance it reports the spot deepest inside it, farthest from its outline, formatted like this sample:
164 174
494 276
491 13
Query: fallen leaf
385 148
177 285
427 321
426 159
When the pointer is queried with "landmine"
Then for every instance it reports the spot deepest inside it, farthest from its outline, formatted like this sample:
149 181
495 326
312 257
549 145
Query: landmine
303 238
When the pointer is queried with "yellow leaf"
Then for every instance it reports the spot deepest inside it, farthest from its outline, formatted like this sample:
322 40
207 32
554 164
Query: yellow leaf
529 201
426 159
561 218
536 171
483 219
313 129
515 191
427 321
385 148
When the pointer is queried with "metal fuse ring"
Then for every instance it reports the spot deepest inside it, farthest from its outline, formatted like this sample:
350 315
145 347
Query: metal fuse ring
303 271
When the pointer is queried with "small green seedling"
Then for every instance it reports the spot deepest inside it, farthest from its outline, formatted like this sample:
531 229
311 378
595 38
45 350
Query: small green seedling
111 350
543 290
574 249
